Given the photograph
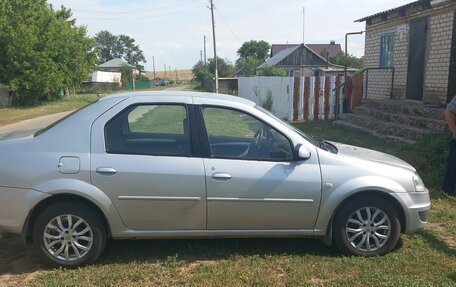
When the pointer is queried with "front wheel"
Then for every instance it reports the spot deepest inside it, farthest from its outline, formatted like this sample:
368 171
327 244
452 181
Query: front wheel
367 227
69 234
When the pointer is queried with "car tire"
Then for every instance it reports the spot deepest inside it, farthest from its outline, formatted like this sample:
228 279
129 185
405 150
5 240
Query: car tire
69 234
367 226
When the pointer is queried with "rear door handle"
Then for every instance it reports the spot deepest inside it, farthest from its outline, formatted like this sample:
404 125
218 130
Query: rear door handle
106 171
221 176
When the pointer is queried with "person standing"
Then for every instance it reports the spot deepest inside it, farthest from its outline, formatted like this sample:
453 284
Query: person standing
449 181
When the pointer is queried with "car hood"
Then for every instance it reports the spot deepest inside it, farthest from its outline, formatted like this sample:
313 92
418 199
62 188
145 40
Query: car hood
371 155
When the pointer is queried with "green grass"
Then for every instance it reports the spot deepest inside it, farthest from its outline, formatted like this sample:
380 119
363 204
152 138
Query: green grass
12 115
259 262
69 103
169 119
424 259
157 119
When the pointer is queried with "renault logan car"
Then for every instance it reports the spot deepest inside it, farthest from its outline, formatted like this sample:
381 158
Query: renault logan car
191 165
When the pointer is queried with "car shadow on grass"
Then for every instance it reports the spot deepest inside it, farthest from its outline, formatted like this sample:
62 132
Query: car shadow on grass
436 243
192 250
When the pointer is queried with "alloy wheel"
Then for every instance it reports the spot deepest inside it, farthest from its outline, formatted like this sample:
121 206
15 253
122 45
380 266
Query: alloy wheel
368 229
68 237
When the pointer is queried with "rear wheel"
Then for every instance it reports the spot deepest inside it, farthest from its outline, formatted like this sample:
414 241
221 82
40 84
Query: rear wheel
367 227
70 234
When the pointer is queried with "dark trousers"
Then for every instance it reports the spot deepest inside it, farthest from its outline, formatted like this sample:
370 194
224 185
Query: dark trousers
449 182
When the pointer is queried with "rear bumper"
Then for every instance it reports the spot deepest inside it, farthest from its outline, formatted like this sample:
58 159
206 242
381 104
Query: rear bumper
15 205
416 206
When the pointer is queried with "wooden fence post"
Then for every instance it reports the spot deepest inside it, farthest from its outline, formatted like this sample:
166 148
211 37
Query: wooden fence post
296 98
317 98
326 107
337 98
306 98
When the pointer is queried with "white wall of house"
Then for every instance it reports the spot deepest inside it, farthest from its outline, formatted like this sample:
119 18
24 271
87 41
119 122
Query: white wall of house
106 77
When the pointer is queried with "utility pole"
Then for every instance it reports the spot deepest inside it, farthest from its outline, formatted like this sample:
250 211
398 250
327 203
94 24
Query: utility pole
201 61
133 78
164 65
215 48
153 63
205 62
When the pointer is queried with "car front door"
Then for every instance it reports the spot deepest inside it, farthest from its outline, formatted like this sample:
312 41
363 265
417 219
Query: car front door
143 158
252 180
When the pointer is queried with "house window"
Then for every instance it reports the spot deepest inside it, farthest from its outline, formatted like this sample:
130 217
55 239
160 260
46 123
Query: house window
386 50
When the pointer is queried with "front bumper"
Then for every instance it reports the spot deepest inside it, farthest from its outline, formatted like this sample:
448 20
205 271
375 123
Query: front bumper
416 206
15 205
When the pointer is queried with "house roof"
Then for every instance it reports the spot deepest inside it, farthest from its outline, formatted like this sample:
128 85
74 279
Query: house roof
276 48
281 55
277 58
114 63
422 3
332 48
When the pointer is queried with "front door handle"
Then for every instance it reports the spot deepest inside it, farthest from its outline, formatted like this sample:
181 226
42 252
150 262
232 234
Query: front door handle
106 171
221 176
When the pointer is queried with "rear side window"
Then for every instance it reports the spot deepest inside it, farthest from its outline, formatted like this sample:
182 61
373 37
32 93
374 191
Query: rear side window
161 129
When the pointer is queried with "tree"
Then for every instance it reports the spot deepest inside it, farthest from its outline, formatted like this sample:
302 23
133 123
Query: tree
225 68
339 59
249 64
198 72
272 71
42 52
256 49
123 46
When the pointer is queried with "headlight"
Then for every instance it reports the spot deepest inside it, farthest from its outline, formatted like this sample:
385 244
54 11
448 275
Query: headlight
419 185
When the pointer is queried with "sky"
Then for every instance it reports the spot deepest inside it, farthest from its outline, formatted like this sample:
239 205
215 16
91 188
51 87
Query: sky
171 31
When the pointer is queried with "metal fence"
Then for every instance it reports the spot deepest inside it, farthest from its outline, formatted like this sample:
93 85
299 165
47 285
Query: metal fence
295 98
141 85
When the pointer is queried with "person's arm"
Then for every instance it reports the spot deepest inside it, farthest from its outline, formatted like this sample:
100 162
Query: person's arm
450 119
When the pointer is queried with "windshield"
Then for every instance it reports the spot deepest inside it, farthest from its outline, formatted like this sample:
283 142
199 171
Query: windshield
307 137
61 120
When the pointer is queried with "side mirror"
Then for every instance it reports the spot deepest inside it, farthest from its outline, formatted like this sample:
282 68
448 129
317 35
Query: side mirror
302 152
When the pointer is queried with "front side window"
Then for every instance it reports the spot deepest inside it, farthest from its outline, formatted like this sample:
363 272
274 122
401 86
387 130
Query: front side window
237 135
149 130
386 51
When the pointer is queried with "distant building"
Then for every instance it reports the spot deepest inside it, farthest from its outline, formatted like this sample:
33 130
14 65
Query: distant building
332 48
301 60
116 65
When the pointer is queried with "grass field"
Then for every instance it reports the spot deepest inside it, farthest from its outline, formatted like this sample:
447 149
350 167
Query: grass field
12 115
424 259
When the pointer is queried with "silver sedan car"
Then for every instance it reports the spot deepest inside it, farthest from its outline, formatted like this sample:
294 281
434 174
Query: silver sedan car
193 165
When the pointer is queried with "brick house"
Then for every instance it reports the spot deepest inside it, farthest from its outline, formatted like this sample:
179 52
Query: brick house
410 52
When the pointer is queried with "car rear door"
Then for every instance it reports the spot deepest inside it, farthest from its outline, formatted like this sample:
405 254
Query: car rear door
144 159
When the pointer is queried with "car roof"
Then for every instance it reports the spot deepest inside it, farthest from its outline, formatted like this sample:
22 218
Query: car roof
201 95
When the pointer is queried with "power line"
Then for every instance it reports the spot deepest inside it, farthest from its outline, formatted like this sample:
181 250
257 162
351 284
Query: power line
223 19
135 11
140 18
